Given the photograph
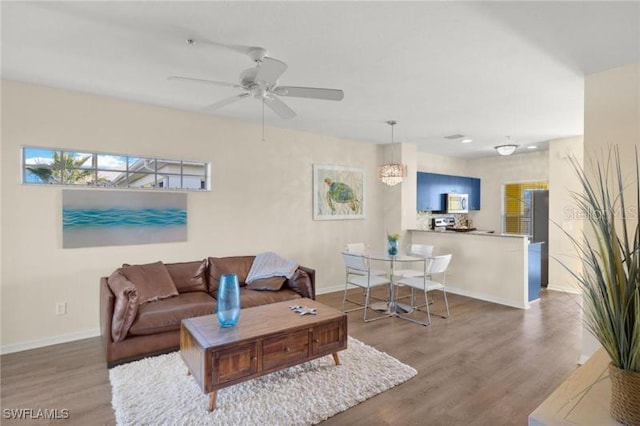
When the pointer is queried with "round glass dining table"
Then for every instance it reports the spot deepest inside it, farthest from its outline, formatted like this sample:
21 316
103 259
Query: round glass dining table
392 305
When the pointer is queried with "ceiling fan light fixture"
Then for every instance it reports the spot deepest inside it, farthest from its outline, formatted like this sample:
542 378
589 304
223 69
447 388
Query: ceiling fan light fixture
507 148
392 173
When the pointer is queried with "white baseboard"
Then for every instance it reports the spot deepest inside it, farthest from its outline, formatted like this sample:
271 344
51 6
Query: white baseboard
583 359
485 297
48 341
450 289
569 290
334 288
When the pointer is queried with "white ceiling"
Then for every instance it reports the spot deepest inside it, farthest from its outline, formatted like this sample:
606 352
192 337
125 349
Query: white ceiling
482 69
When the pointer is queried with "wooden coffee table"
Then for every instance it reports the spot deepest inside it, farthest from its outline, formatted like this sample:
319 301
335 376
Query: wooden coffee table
267 338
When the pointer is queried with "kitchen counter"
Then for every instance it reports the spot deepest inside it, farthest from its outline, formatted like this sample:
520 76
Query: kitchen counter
491 267
476 232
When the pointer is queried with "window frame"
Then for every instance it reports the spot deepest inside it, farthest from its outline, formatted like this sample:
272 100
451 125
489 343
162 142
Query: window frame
126 170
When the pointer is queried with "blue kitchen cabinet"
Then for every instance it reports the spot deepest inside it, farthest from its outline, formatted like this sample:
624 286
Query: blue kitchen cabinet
535 270
432 187
422 202
456 185
474 193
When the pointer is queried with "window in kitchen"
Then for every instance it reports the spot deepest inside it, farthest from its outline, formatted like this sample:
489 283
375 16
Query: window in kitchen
93 169
517 215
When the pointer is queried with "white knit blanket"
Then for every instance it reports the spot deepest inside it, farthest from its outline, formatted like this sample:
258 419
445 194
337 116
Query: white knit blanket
269 264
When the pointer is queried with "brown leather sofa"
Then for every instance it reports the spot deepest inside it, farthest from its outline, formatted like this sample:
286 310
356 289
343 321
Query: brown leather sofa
141 306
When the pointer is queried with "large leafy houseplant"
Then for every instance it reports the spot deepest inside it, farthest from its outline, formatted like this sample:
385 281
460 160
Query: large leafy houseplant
610 276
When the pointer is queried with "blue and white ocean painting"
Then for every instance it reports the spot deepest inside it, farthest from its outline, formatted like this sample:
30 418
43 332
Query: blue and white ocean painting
93 218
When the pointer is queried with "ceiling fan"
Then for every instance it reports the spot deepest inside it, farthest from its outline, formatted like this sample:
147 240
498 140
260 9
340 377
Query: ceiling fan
261 82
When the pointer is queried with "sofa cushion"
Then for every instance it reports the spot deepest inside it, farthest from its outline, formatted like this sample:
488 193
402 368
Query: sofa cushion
269 284
300 282
152 281
250 298
125 307
188 276
166 315
239 265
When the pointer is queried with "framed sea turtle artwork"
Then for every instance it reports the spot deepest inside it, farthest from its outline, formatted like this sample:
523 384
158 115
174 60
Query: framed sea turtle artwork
338 192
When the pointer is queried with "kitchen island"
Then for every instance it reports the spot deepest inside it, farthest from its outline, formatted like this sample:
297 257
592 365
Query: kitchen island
486 266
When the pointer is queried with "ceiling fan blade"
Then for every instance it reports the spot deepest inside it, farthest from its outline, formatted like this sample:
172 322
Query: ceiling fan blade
279 107
254 52
310 92
200 80
270 71
226 102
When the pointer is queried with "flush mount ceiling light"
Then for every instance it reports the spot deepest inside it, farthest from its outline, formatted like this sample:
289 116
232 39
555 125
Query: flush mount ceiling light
392 173
507 148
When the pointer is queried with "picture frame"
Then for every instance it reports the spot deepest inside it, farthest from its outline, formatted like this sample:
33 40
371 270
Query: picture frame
338 192
98 218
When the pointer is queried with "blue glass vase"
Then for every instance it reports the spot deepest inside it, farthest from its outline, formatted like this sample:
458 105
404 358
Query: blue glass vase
228 300
392 247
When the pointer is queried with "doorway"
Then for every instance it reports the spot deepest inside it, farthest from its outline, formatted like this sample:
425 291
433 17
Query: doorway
526 212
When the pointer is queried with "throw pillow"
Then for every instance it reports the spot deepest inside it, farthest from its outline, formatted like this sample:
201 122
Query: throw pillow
269 284
188 276
125 307
218 266
152 281
300 283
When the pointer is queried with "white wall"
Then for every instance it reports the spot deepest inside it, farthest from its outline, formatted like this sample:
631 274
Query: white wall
612 117
261 199
563 181
494 172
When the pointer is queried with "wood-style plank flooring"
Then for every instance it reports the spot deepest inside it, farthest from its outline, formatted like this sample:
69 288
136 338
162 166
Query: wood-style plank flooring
485 365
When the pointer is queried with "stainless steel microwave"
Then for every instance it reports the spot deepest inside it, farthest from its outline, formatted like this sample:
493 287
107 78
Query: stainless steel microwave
457 203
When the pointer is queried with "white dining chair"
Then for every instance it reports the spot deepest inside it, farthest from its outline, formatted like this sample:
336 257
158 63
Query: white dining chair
361 248
419 250
436 266
364 278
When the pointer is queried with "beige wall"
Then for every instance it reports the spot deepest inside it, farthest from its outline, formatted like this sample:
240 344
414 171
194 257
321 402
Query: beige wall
444 165
612 117
563 182
260 200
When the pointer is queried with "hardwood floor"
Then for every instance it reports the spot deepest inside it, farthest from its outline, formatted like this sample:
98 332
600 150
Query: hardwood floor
485 365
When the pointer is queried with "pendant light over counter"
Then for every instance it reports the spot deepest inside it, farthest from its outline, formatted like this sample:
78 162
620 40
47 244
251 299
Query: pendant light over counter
392 173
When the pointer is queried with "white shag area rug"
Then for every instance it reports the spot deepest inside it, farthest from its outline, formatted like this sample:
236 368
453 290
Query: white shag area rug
157 391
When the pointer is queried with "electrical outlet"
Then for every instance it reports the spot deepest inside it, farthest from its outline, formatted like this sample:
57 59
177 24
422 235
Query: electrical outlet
61 308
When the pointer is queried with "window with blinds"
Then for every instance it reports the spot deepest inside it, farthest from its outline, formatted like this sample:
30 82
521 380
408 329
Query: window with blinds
516 218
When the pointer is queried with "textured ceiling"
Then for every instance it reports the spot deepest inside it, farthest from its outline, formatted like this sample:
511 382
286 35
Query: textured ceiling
481 69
